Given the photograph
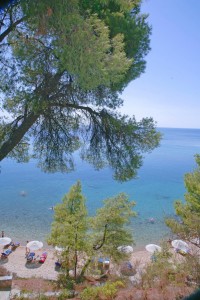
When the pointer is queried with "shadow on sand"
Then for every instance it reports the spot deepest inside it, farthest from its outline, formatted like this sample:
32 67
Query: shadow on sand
3 260
33 265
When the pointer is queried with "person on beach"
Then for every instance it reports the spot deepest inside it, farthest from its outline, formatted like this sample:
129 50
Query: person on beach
2 234
27 249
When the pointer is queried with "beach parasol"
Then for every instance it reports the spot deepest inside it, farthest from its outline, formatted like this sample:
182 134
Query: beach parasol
5 241
59 249
34 245
125 249
152 248
181 245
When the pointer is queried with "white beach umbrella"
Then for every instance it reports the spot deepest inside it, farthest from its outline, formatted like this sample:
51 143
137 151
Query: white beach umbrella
125 249
5 241
152 248
181 245
59 249
34 245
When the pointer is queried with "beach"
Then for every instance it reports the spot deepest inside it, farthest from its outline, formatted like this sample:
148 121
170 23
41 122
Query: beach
16 263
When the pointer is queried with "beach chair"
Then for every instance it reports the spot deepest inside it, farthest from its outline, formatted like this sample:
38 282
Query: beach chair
14 245
6 253
30 256
43 257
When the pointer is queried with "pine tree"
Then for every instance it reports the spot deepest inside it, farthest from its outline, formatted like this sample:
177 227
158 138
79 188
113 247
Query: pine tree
63 66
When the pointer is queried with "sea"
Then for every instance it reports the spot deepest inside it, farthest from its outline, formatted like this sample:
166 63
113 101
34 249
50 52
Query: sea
27 194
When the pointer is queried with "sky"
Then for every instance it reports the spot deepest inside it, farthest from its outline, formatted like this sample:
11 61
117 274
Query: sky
169 90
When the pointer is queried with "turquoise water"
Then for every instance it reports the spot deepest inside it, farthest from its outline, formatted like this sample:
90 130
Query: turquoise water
160 181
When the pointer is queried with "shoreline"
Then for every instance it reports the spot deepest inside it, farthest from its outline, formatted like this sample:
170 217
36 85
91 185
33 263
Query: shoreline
139 245
16 263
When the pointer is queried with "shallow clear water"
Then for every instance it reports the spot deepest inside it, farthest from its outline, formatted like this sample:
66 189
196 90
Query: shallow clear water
160 181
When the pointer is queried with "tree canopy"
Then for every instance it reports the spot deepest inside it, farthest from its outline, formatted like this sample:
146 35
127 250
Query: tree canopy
63 66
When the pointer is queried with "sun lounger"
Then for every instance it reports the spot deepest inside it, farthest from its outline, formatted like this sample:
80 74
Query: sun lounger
6 253
43 257
14 245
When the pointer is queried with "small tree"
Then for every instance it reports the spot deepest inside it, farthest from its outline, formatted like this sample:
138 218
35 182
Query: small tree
109 229
113 219
188 225
87 237
70 226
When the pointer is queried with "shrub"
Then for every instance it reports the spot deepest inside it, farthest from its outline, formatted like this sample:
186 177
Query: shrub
65 282
66 294
89 293
172 276
105 292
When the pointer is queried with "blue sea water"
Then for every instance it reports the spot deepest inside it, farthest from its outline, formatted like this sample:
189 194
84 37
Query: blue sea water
160 181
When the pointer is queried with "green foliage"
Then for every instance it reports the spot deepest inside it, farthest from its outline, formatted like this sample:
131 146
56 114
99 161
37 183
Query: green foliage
113 218
69 216
88 54
163 271
69 229
188 225
169 271
84 238
25 294
191 265
107 291
89 293
65 294
65 282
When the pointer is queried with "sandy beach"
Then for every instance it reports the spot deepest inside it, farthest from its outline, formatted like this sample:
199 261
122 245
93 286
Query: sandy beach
16 263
